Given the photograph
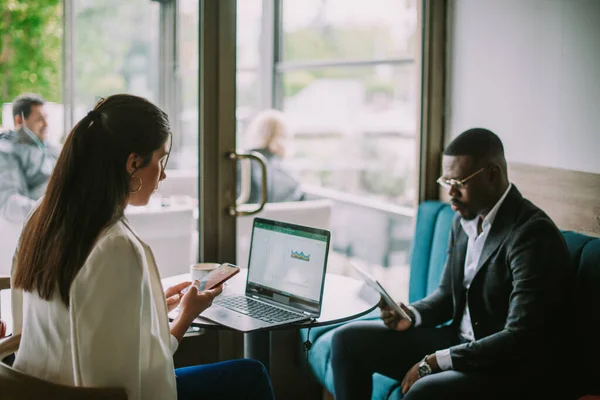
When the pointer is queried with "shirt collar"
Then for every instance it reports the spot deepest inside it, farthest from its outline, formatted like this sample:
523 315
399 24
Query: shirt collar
470 226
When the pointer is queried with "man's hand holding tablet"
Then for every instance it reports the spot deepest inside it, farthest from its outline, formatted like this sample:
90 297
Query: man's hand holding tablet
396 318
395 315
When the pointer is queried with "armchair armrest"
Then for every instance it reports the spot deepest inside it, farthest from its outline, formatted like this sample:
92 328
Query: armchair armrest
9 346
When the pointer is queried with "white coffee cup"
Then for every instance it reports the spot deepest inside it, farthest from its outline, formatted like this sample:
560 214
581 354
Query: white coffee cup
198 271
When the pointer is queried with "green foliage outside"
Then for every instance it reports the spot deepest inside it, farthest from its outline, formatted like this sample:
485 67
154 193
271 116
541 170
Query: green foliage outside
114 41
30 49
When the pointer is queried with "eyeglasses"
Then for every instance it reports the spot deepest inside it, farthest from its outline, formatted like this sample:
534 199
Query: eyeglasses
457 183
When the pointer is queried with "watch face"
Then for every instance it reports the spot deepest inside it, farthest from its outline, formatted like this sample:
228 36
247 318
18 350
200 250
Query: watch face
424 370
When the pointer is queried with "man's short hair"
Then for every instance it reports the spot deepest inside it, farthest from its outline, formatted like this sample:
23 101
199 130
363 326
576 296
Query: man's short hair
22 104
479 143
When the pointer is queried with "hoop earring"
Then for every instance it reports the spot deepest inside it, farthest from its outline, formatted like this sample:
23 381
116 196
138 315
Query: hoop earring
139 186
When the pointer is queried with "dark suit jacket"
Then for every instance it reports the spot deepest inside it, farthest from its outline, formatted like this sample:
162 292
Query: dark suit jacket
518 294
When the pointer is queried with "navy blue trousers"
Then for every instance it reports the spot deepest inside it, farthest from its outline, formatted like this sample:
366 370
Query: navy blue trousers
237 379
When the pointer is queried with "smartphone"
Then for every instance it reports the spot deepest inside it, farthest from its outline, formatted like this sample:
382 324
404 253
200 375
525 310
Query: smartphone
218 276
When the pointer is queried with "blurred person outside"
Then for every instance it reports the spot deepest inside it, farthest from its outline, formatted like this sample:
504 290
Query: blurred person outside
269 135
26 158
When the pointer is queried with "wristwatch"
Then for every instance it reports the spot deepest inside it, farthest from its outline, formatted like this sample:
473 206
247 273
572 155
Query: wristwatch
424 368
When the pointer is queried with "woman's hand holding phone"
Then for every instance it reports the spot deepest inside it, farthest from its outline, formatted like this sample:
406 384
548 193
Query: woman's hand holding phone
194 301
392 319
195 298
174 294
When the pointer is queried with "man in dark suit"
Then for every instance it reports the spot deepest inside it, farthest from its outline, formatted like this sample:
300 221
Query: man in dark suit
491 328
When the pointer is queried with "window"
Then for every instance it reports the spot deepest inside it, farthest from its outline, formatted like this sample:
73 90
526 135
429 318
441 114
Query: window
342 71
344 74
348 84
185 78
249 79
115 50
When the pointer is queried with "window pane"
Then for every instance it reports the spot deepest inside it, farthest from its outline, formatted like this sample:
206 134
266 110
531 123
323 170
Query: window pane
116 50
248 101
348 29
185 146
249 28
354 129
249 17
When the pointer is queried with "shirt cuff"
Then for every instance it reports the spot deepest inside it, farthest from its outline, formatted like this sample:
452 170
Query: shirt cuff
417 320
174 344
444 359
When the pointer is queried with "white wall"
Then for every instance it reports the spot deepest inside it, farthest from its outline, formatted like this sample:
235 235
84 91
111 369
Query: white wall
529 70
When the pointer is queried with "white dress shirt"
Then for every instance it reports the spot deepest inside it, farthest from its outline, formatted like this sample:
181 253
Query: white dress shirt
475 246
115 332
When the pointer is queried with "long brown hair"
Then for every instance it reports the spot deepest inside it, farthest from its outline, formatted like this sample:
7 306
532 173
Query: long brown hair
87 191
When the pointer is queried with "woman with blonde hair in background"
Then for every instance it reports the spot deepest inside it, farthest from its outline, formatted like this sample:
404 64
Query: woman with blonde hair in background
269 135
88 299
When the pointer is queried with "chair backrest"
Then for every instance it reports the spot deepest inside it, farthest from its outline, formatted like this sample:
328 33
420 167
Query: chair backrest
432 232
314 213
169 231
584 252
16 385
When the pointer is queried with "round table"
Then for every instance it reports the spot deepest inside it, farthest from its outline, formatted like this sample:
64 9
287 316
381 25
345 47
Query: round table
343 299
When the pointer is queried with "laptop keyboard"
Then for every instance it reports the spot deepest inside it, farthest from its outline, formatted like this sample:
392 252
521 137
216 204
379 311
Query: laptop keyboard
255 309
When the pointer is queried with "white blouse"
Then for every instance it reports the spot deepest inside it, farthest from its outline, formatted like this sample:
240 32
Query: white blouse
115 331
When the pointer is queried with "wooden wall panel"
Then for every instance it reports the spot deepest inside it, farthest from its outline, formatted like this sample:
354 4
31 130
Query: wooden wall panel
571 198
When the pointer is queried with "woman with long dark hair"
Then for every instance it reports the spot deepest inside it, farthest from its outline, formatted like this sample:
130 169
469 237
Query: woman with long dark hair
88 299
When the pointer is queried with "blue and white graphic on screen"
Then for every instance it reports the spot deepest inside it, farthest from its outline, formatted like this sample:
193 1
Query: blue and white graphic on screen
300 255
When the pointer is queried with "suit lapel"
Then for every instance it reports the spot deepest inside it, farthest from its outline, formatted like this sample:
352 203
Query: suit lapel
501 226
459 254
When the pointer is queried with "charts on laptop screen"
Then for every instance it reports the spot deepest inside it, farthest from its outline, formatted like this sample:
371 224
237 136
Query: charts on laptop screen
289 260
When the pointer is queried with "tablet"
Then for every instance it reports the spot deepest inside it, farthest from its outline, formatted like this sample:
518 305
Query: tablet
372 282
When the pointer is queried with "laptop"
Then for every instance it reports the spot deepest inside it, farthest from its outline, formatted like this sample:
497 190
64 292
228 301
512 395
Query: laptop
286 276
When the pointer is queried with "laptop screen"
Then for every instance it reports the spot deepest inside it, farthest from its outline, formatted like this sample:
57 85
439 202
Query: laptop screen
287 264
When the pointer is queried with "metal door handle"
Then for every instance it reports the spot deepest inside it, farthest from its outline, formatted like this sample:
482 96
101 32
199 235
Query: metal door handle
253 155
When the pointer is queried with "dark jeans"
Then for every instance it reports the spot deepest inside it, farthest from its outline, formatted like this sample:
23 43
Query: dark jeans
238 379
362 348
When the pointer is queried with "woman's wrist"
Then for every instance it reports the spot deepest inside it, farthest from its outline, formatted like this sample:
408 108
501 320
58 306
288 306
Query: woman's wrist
180 325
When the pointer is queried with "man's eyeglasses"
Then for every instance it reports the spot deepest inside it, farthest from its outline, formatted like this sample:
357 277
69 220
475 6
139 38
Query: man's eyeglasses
457 183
